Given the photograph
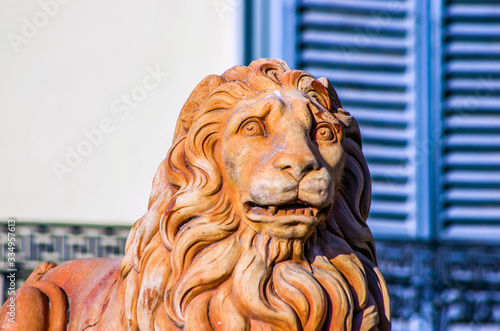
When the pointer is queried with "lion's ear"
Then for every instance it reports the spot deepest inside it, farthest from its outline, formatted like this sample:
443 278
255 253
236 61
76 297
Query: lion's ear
236 73
192 105
331 92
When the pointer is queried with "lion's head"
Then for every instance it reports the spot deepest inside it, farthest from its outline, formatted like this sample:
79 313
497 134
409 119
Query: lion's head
257 217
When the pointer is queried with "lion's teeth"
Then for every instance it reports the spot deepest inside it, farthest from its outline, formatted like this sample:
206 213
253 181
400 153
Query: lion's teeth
308 211
272 210
281 212
315 211
290 211
300 211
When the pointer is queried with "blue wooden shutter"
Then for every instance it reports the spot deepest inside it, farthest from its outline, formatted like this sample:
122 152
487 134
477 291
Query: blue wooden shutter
470 165
367 50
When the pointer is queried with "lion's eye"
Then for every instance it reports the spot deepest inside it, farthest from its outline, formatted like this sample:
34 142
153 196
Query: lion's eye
252 129
324 133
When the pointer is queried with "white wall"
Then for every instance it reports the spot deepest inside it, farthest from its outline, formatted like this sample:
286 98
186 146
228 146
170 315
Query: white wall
68 74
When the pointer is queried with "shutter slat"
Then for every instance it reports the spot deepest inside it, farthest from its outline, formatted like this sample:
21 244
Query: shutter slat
358 6
472 48
468 85
462 159
473 214
357 61
391 154
386 119
473 30
362 80
475 102
467 120
347 42
383 190
475 177
474 141
468 11
389 210
396 99
467 67
325 20
473 196
387 136
389 173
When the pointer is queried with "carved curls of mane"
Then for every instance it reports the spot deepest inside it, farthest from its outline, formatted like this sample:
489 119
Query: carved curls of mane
187 263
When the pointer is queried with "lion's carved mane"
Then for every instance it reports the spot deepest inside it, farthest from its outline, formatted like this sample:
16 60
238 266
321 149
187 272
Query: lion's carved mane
192 263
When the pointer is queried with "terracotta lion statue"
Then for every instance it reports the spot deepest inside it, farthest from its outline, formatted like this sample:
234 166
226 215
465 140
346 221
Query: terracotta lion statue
256 221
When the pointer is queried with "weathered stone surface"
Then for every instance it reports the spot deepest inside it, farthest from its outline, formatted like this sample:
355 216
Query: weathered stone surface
257 220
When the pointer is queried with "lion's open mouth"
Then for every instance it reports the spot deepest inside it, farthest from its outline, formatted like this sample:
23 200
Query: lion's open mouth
281 210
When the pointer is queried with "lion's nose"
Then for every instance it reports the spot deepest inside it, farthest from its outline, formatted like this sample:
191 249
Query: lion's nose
297 164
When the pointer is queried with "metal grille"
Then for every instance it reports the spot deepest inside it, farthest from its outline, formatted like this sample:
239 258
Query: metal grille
453 286
55 243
